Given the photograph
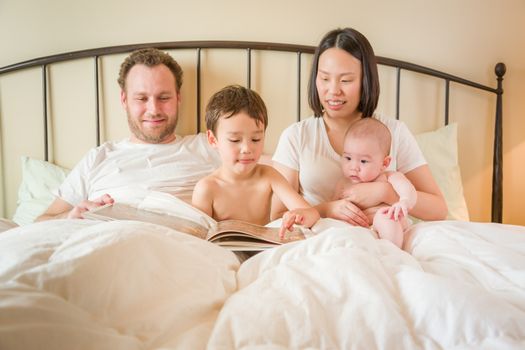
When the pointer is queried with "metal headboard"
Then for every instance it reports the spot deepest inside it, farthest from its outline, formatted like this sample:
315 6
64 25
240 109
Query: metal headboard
95 54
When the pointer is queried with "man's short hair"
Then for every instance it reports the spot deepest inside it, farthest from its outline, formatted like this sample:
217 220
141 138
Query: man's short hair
149 57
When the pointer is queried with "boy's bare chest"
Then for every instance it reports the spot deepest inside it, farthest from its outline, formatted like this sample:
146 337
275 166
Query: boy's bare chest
248 202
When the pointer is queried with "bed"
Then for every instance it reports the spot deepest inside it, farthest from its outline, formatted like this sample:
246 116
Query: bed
85 284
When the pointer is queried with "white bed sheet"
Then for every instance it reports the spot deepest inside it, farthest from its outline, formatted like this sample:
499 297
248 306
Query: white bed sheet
128 285
459 286
73 284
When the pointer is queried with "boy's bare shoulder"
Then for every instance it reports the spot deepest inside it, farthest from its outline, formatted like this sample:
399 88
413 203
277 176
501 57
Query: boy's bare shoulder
209 181
265 167
267 170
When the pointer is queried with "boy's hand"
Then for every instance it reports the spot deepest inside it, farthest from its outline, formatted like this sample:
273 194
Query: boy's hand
303 216
289 219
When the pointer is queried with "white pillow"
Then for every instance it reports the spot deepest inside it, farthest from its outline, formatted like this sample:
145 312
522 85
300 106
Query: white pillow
441 152
35 194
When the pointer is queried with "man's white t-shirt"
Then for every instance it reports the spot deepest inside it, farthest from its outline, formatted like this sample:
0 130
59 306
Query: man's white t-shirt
304 146
127 170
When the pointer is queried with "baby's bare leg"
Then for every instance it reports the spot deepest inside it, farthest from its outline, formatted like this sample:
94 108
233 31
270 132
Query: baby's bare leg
388 229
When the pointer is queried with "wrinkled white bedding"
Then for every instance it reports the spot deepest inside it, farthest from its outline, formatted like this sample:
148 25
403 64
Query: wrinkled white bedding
459 285
73 284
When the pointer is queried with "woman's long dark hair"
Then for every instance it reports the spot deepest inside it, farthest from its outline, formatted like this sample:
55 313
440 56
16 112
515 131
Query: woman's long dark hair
357 45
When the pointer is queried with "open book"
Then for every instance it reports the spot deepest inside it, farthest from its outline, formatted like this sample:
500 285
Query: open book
231 234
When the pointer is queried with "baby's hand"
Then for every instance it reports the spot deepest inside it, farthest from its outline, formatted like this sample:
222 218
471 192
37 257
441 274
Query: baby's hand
398 210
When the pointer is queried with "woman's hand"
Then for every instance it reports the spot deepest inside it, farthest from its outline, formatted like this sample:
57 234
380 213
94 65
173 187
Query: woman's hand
345 210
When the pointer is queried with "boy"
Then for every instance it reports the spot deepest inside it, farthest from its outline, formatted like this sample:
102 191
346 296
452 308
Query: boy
365 157
240 188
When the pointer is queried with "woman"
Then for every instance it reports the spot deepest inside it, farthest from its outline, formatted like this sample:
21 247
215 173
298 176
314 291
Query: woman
344 87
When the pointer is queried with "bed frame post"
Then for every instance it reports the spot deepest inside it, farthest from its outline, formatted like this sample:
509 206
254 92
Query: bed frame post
44 110
249 68
298 118
198 90
398 90
97 101
497 175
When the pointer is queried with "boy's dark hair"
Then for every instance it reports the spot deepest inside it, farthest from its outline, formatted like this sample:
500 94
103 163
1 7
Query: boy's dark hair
149 57
234 99
357 45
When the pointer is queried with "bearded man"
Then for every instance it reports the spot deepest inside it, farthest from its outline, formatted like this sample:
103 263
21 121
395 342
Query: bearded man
154 157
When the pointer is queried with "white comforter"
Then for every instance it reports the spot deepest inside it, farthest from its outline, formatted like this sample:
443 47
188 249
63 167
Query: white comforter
73 284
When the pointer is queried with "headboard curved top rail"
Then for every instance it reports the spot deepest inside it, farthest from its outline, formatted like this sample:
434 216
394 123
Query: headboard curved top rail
172 45
211 44
399 65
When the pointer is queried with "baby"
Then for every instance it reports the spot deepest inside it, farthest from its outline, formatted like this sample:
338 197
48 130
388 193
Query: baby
240 188
365 158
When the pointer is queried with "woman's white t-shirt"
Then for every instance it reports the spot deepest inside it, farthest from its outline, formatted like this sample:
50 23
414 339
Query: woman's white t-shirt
304 146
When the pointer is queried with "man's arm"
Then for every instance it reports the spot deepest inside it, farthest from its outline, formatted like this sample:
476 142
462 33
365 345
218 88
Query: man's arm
60 209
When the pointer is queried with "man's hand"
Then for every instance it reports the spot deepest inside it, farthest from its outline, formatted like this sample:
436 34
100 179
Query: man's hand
78 210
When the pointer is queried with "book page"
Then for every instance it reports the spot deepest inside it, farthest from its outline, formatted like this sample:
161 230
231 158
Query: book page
243 246
237 230
166 203
119 211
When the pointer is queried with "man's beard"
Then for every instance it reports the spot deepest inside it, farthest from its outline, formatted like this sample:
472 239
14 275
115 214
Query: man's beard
169 129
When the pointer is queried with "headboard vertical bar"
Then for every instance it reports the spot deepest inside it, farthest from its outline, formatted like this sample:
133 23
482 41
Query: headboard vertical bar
198 90
447 99
44 106
97 100
249 68
398 91
3 209
298 85
497 165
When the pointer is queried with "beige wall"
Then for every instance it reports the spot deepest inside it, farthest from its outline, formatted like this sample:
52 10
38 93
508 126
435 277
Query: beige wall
461 37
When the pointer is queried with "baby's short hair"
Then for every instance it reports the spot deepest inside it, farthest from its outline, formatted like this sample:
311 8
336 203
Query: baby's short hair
371 127
232 100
